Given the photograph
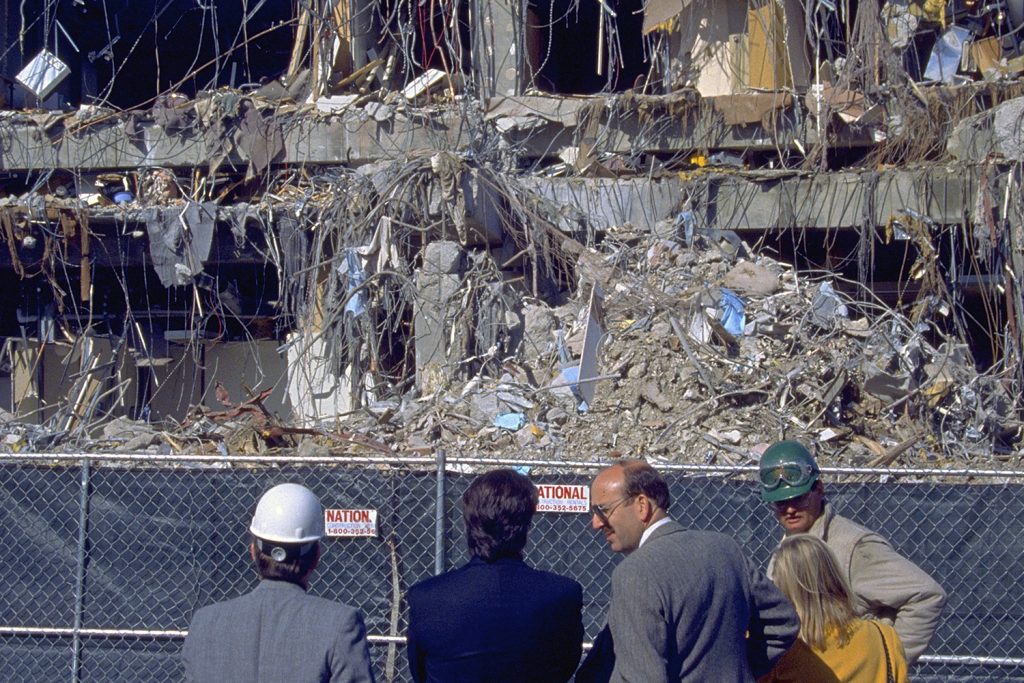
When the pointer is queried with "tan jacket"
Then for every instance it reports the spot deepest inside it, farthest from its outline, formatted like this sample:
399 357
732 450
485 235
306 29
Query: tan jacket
886 585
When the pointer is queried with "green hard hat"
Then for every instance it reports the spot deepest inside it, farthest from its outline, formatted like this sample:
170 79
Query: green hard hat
787 470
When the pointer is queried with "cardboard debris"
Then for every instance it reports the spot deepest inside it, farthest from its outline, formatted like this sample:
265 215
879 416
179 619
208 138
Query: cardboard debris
848 105
776 58
751 108
986 54
713 49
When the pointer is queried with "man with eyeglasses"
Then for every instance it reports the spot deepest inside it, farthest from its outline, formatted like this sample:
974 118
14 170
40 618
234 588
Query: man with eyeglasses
686 604
886 585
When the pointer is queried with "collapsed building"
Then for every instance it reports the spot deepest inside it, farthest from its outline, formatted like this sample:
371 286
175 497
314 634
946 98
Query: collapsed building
574 227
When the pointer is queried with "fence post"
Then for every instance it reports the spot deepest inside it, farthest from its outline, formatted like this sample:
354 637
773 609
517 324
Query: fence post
83 518
439 525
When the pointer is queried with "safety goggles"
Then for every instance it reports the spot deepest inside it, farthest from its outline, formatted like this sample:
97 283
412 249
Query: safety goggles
791 473
603 512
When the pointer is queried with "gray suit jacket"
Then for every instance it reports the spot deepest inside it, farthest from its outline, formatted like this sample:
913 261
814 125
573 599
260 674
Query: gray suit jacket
277 633
683 605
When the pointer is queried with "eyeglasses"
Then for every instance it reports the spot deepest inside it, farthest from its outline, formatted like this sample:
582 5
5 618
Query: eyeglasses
798 503
603 512
792 473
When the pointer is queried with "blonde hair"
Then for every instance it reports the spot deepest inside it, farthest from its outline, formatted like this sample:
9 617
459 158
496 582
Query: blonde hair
808 574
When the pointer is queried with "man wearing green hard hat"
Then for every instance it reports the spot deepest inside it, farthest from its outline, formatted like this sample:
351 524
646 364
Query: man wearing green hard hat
886 585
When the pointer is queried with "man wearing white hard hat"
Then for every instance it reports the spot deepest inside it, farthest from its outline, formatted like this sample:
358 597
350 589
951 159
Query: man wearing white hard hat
278 632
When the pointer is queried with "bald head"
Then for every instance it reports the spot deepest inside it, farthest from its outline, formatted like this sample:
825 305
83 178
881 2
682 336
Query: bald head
627 498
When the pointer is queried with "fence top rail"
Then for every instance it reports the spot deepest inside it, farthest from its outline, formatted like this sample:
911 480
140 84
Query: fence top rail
373 639
218 461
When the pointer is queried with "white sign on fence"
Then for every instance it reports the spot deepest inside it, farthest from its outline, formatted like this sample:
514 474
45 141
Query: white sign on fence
343 523
563 498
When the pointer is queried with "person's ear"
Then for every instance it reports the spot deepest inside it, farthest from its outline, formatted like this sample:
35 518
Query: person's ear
644 507
252 551
316 560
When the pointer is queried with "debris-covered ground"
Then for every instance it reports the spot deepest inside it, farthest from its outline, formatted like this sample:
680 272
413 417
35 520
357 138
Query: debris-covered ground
708 353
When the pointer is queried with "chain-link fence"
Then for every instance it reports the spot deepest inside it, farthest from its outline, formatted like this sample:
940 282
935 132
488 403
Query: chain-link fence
109 556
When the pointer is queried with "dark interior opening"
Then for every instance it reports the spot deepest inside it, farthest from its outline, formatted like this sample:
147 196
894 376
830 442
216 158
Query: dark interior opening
571 51
123 53
431 43
973 285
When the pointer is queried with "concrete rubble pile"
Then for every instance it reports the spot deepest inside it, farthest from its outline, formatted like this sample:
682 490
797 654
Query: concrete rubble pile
704 354
708 356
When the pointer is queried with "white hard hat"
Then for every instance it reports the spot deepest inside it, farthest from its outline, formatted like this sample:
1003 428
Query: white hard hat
288 513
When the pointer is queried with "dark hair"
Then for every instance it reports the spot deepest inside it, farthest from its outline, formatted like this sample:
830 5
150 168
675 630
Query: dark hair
295 567
498 508
639 477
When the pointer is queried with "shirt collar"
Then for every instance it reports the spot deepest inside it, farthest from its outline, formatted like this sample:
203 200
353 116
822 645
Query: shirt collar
649 530
275 585
476 559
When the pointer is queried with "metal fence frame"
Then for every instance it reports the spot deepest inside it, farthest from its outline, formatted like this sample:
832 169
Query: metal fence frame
441 467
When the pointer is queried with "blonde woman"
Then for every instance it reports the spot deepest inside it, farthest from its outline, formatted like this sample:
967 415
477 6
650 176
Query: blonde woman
834 645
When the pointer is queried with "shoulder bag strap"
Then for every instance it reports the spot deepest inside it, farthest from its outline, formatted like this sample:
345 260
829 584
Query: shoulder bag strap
889 677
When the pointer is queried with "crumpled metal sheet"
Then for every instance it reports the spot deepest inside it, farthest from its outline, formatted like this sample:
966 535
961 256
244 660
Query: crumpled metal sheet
260 139
179 240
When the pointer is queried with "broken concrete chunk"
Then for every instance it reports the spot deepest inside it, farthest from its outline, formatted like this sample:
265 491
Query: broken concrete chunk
861 327
730 436
514 400
484 407
538 323
659 12
885 385
308 448
750 279
526 437
507 124
379 111
125 428
335 103
664 253
661 330
556 415
654 395
443 258
422 83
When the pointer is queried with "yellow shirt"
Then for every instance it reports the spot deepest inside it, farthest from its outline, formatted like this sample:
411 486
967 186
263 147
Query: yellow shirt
861 660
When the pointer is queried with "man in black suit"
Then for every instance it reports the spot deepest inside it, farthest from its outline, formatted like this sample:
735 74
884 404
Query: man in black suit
495 619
